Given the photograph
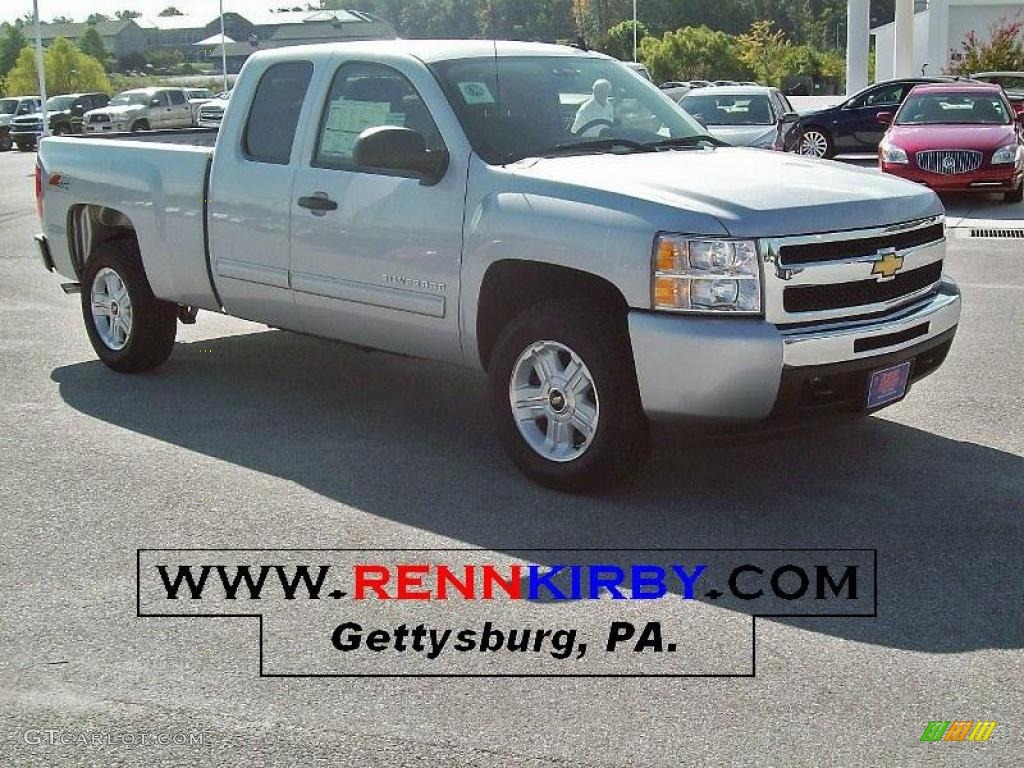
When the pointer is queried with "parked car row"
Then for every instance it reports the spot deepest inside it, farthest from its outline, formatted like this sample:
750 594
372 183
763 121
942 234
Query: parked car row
140 109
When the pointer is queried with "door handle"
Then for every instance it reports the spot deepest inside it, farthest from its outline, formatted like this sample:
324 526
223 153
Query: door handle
319 203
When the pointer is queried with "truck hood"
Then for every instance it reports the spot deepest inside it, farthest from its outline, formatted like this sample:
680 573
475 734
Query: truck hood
752 192
122 110
987 138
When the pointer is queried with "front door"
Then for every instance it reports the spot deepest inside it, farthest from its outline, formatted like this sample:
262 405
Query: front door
375 255
180 114
863 126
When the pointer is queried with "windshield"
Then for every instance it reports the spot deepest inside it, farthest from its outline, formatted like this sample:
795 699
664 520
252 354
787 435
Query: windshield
729 109
136 97
547 105
954 109
8 106
200 93
57 103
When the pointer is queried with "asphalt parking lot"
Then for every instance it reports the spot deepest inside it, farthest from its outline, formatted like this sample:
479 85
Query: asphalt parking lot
252 437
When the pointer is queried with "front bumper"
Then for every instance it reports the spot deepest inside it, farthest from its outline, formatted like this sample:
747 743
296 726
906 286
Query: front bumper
731 369
996 178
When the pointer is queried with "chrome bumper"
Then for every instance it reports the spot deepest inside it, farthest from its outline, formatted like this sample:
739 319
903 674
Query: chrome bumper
731 369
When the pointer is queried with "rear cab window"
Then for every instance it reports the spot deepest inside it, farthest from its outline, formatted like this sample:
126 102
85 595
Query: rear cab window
274 114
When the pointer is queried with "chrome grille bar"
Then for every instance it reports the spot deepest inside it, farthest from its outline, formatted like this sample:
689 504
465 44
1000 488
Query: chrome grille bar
949 162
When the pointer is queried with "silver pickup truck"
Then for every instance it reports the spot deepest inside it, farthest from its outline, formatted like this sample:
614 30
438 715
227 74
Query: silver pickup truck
534 211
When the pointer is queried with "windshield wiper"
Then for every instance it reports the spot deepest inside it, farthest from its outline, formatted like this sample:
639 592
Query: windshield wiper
687 141
597 144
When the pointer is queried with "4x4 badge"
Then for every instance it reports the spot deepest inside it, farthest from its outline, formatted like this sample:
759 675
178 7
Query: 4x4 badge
887 264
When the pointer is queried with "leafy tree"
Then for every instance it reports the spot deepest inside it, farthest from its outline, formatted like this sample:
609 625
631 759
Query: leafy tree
68 70
96 18
764 50
692 53
91 44
127 14
170 10
12 40
1004 50
62 20
618 41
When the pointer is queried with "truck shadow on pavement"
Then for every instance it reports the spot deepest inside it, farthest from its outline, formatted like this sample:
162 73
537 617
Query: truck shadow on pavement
411 442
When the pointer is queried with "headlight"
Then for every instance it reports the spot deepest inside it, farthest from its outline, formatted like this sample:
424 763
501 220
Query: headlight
706 275
1007 154
892 154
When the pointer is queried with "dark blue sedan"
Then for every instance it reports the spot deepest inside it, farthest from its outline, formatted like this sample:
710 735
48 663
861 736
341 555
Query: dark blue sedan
852 126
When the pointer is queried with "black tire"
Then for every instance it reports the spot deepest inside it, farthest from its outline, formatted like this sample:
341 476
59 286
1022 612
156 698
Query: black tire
621 440
25 146
1015 196
61 129
5 140
830 146
154 322
140 125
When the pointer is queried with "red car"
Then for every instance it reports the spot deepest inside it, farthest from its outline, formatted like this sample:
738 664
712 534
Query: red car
957 137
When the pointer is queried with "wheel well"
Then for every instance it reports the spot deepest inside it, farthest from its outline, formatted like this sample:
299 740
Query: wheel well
93 225
510 286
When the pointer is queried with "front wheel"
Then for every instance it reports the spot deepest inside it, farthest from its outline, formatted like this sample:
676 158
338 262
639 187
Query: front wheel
130 329
564 396
5 140
815 142
1015 196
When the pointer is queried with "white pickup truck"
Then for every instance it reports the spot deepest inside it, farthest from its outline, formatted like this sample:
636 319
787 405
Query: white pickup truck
460 200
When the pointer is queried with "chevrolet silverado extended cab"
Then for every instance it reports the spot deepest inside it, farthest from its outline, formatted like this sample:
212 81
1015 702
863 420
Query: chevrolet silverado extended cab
432 198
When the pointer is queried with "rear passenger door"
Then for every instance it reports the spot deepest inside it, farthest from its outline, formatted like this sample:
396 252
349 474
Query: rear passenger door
180 114
250 193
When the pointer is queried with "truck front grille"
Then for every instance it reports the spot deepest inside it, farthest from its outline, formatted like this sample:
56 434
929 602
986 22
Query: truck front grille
99 118
819 298
837 250
949 162
848 276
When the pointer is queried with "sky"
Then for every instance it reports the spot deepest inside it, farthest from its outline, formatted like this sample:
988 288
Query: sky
79 9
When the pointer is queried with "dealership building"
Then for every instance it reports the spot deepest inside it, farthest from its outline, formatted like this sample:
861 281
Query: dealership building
197 36
938 31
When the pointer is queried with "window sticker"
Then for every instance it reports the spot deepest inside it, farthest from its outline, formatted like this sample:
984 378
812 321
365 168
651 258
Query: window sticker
476 93
347 119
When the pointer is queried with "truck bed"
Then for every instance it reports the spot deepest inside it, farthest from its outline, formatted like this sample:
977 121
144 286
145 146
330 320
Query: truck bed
197 137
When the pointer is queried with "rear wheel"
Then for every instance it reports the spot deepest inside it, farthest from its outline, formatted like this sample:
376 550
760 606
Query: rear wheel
564 396
130 329
815 142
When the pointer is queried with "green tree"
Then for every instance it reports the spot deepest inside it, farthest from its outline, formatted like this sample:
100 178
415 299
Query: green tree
12 40
692 53
91 44
618 41
127 14
170 10
765 50
96 18
68 70
1004 50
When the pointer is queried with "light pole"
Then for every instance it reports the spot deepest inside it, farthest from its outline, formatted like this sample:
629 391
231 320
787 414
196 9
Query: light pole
223 47
634 31
39 68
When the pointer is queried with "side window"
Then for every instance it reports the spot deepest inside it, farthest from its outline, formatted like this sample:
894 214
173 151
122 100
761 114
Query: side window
160 99
177 97
883 96
274 114
368 96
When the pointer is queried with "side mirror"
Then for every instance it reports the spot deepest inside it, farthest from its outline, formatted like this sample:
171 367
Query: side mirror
885 118
1018 111
391 148
790 117
155 102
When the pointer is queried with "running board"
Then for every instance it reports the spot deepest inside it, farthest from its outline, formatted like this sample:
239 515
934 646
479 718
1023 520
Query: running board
70 288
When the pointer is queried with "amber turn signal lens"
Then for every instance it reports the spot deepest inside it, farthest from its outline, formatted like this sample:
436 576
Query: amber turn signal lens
669 292
666 258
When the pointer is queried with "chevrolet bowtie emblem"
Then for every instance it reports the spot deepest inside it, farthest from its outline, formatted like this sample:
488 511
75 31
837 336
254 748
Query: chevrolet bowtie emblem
887 264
